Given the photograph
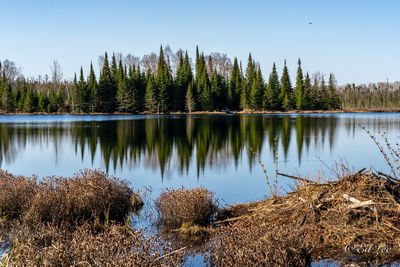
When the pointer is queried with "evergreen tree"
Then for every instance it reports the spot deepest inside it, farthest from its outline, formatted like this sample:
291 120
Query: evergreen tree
334 101
272 92
29 104
7 101
93 90
180 86
233 95
299 87
81 93
189 100
324 100
250 76
286 93
107 87
307 93
124 97
257 91
150 96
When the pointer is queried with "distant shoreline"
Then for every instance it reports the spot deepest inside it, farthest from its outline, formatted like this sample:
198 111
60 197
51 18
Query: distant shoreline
246 111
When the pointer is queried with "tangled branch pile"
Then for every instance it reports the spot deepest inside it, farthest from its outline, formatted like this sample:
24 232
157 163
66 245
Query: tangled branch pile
315 221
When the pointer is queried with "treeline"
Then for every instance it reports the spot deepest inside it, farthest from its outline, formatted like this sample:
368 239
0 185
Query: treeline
371 96
160 88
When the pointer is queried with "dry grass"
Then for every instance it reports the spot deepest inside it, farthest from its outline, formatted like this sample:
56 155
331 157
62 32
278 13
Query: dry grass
86 197
113 245
177 207
15 193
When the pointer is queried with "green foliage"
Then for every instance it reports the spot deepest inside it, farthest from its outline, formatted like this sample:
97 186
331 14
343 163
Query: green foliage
212 86
299 93
272 92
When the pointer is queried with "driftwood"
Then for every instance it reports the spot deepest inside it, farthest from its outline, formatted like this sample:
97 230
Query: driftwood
359 204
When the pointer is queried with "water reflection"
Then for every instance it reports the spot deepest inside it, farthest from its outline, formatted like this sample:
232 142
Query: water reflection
161 142
164 142
214 151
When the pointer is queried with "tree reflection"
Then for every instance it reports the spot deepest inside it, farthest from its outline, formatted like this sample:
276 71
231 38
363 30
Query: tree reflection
179 142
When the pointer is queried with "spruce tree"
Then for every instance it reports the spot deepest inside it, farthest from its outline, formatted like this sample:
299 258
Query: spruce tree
299 87
93 89
107 87
324 99
82 93
189 100
307 93
334 101
124 98
150 96
286 92
250 77
257 91
272 93
233 96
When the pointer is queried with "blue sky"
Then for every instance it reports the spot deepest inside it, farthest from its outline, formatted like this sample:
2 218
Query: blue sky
358 40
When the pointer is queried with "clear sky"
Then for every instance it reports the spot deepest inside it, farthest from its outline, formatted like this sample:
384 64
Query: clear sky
358 40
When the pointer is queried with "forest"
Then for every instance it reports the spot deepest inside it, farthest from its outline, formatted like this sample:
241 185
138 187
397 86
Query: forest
170 82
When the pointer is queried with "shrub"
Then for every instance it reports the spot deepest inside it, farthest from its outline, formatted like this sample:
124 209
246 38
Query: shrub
185 206
90 195
15 193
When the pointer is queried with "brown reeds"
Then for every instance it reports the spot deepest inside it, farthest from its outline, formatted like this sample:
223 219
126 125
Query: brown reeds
113 245
186 207
89 195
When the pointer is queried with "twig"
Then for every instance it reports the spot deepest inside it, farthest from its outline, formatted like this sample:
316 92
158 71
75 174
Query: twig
166 255
297 178
388 176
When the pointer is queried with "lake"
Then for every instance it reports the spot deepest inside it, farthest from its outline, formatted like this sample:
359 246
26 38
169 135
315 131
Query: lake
214 151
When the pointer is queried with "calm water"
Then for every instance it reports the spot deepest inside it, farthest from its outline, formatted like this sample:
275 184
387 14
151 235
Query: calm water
212 151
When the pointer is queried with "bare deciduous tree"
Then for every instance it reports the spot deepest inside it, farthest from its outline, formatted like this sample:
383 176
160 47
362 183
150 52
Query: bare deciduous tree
131 60
149 62
56 72
11 70
222 63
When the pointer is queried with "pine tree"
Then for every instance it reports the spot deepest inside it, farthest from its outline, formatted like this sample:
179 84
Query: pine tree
150 96
233 96
272 92
7 101
75 96
286 92
324 100
334 101
299 87
29 101
81 93
250 76
189 100
307 93
257 91
107 87
164 82
124 98
93 89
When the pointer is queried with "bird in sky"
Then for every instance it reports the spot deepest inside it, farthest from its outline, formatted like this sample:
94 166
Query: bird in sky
310 23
